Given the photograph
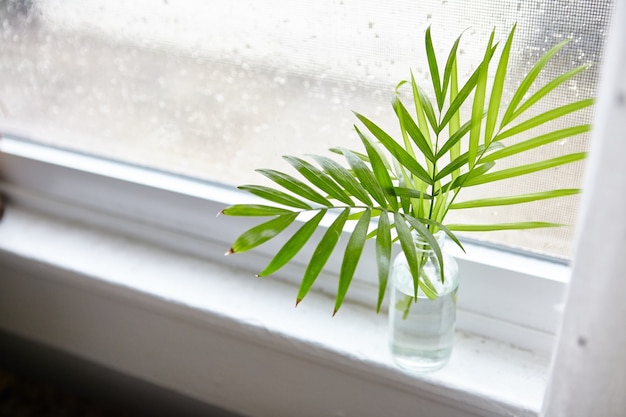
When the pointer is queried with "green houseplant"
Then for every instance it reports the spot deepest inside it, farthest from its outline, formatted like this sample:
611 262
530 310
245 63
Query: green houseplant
400 189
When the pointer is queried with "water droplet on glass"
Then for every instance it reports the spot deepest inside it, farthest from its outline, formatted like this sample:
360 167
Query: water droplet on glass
279 80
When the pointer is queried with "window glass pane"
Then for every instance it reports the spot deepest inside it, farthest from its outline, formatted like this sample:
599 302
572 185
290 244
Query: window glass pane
213 89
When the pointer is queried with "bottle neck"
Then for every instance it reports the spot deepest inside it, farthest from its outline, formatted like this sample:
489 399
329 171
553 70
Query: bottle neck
423 246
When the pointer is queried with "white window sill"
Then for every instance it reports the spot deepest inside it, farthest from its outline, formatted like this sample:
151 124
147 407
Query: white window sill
221 336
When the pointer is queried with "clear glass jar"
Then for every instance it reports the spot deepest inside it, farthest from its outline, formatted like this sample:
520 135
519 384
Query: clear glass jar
421 333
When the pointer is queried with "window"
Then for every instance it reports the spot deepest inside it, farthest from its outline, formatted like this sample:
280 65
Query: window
134 121
137 120
210 90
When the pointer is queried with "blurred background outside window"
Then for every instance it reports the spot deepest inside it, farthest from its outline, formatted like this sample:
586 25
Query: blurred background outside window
213 89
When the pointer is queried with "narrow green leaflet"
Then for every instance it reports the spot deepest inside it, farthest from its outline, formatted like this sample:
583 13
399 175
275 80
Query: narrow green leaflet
363 157
516 199
446 230
275 196
351 257
322 252
408 247
455 121
545 90
528 81
450 67
430 239
439 208
293 245
319 179
478 107
536 142
428 288
462 160
545 117
419 111
380 170
343 178
501 226
294 185
498 88
367 178
396 150
383 256
434 69
524 169
262 233
459 162
411 128
411 193
428 109
462 180
254 210
465 91
454 139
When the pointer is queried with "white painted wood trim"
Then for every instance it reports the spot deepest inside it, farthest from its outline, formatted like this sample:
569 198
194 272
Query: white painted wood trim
180 214
216 334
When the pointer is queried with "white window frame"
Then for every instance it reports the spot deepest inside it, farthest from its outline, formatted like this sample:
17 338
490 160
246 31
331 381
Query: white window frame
119 311
182 214
104 208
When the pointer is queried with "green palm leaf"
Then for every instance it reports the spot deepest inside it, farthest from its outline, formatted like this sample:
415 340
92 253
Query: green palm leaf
501 226
396 150
545 117
275 196
408 247
454 126
383 256
322 252
434 69
430 239
454 139
380 170
466 90
293 245
524 169
411 193
446 230
463 179
262 233
294 185
545 90
428 109
402 177
450 67
498 88
529 80
319 179
343 178
536 142
517 199
366 177
411 127
478 109
419 111
353 252
253 210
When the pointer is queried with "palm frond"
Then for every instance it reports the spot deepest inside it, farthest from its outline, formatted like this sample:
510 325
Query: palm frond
397 189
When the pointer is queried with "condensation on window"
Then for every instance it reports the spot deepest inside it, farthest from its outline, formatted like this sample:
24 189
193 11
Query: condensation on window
214 89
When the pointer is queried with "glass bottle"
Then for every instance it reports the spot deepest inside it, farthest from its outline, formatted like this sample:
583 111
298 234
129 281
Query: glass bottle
421 333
